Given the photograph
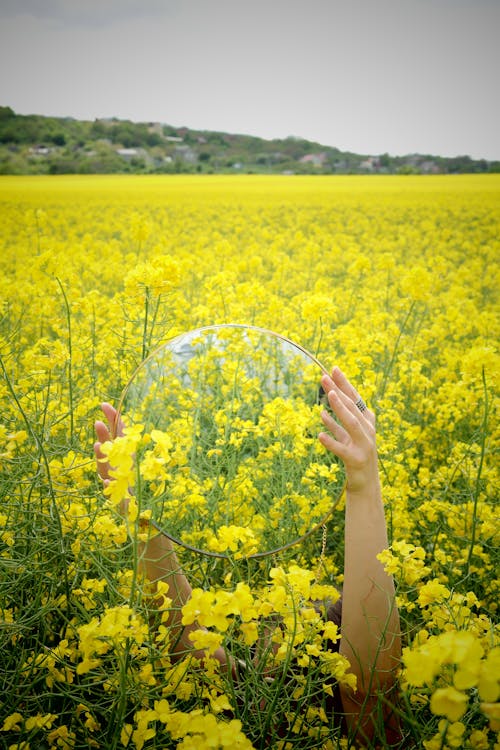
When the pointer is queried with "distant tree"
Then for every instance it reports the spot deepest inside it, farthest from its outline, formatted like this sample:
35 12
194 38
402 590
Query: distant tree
385 161
217 139
6 113
153 139
138 164
459 164
408 169
64 166
13 163
98 130
58 139
190 138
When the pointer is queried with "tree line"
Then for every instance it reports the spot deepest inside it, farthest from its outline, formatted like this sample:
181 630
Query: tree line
35 144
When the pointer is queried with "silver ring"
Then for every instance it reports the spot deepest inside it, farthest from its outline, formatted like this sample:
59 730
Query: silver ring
361 404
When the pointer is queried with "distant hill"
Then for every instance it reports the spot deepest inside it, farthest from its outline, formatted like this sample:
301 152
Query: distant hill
34 144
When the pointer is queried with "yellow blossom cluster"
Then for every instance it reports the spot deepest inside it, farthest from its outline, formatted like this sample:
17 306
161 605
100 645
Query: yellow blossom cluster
395 279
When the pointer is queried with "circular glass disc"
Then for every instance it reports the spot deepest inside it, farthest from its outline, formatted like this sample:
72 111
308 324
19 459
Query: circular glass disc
230 464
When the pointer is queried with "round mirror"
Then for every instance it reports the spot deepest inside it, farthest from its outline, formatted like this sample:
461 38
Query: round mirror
230 464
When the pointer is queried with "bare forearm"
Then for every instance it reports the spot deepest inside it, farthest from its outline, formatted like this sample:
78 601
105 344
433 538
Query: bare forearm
160 563
370 622
156 556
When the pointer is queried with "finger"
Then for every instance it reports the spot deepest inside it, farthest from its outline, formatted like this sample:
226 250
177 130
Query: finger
334 446
102 466
115 423
103 436
351 419
97 450
335 428
338 382
343 383
327 383
350 391
102 432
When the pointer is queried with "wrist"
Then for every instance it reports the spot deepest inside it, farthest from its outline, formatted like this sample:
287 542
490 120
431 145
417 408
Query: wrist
363 486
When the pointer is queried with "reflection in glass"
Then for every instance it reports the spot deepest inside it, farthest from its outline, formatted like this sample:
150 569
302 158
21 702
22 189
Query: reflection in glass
230 463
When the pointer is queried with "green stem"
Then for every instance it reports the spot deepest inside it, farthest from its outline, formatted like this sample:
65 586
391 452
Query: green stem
153 322
484 429
394 352
279 682
121 702
145 327
70 372
43 455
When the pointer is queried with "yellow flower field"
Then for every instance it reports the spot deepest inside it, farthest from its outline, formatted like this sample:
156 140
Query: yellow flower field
396 279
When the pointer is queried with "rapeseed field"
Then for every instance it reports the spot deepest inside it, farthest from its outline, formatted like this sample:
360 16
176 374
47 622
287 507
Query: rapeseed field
395 279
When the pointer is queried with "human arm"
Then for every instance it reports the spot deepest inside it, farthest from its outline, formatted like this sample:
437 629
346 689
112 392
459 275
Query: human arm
157 557
370 622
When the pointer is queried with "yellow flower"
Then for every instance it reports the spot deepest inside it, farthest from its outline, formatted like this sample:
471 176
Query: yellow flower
62 737
163 442
422 664
478 740
331 631
205 640
40 721
198 606
250 632
454 732
431 592
12 722
126 734
449 702
235 539
404 560
492 712
489 677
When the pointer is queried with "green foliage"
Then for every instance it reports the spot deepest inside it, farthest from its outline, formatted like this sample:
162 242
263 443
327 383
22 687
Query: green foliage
23 139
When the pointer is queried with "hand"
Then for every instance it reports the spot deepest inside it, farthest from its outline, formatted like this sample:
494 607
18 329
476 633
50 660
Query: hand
103 433
352 438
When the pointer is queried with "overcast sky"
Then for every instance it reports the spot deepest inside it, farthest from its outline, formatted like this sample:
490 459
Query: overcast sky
369 76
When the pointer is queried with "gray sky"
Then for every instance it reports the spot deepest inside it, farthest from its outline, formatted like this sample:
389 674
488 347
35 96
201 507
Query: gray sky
368 76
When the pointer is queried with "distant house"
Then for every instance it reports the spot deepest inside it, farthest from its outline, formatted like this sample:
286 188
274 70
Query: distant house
316 160
40 150
413 160
174 138
108 121
135 153
155 127
127 153
367 165
185 153
429 167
